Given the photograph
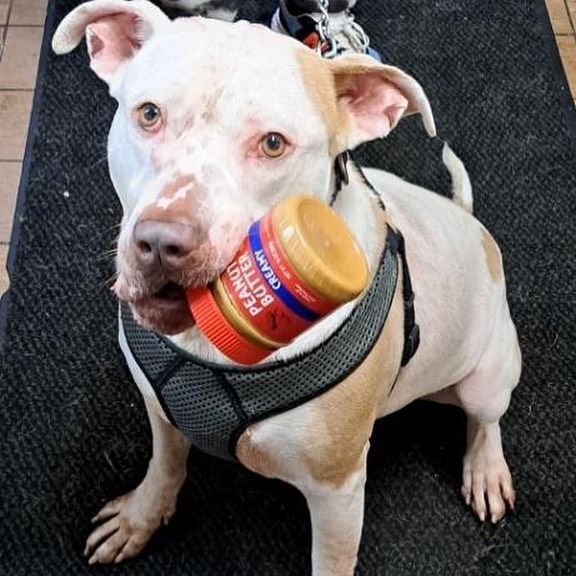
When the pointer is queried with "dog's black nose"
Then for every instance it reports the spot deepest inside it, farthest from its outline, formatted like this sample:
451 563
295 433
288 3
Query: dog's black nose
166 243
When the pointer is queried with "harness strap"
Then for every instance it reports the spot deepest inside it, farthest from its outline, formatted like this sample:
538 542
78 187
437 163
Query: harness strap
395 237
411 328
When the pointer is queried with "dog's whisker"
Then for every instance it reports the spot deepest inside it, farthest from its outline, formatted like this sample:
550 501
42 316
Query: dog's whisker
97 162
109 257
107 229
111 252
108 282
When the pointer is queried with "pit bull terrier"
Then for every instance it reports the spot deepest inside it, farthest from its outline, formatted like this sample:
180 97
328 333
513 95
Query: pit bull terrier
216 122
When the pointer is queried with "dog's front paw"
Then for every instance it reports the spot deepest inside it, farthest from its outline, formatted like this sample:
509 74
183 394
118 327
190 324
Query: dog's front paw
487 483
126 524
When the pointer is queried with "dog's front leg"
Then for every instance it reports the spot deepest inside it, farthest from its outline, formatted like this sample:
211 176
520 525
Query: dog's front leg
128 522
337 515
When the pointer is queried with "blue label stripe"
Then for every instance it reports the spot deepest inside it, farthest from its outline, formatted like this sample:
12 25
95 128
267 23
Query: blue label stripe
282 292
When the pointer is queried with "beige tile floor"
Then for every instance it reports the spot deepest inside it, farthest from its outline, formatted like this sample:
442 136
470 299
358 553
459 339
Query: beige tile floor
21 28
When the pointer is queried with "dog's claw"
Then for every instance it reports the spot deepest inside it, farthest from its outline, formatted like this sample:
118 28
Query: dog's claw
127 524
101 534
110 509
491 499
509 494
487 489
486 479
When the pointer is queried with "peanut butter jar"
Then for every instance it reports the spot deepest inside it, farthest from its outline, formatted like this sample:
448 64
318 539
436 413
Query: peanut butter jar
298 263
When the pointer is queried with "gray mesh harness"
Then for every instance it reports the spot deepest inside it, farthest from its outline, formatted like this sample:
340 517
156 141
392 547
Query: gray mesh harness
213 404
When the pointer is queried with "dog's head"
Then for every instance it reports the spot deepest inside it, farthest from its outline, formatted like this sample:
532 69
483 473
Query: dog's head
215 123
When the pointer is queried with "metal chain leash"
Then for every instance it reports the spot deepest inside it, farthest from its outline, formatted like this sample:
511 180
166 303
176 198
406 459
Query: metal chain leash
327 45
327 48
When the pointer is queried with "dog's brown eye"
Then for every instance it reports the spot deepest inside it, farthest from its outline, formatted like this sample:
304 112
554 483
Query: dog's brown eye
273 145
148 116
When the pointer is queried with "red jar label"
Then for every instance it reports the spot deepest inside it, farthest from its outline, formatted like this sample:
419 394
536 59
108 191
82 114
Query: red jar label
267 292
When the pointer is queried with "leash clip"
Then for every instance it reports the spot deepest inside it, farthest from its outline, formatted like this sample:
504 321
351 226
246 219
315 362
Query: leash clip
411 344
341 175
327 46
341 168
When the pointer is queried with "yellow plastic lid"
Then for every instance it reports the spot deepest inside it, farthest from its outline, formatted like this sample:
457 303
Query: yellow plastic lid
320 247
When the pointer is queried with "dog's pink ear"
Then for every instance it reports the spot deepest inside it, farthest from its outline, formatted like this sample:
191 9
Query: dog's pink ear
115 30
373 97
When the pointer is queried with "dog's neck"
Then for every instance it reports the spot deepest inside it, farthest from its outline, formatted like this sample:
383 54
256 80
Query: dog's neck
357 205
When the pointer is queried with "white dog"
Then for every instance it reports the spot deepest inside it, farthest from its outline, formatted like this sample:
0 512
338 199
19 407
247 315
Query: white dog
217 122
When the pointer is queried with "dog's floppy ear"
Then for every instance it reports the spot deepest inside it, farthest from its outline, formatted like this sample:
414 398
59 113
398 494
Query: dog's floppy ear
115 30
373 97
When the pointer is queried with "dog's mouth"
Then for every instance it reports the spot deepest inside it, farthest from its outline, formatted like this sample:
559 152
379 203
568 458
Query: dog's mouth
170 292
165 310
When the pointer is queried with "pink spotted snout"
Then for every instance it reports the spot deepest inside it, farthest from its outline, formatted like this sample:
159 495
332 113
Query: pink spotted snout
179 239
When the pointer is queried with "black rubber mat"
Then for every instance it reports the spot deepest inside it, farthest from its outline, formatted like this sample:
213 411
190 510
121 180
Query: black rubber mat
74 430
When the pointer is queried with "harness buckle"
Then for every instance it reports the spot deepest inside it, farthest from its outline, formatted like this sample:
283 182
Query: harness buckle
411 343
341 167
409 300
341 175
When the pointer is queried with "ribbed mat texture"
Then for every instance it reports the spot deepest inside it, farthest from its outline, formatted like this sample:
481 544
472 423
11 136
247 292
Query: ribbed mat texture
73 427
